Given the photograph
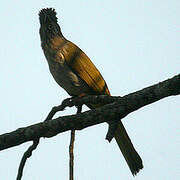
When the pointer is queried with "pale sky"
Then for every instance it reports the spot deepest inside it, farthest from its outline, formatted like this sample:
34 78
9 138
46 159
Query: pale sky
134 44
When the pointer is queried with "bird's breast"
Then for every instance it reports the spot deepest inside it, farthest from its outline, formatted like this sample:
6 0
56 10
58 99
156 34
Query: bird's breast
64 75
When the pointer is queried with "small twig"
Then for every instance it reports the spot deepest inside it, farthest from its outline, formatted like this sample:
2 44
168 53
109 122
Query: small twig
26 155
79 101
71 149
55 109
71 155
29 151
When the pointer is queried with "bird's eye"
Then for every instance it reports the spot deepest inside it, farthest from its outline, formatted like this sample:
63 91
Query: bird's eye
49 26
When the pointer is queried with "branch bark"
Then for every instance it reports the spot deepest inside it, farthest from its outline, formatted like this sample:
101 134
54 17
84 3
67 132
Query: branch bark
118 107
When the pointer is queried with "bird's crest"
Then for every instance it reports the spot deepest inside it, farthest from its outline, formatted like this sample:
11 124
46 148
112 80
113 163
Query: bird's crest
47 14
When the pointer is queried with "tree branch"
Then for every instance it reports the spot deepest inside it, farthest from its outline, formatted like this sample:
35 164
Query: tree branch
118 107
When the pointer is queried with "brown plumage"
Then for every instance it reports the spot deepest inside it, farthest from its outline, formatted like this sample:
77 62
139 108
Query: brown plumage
73 71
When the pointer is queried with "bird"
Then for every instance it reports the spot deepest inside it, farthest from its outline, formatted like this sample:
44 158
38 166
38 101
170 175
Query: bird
73 71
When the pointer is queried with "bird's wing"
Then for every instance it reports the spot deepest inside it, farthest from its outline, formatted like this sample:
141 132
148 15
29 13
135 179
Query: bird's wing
81 65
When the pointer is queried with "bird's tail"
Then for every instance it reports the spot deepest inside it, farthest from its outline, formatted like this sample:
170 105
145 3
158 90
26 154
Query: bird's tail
132 158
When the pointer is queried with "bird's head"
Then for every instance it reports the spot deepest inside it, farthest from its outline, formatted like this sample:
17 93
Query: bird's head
49 27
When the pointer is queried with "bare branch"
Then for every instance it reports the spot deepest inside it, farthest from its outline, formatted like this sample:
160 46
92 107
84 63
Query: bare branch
119 107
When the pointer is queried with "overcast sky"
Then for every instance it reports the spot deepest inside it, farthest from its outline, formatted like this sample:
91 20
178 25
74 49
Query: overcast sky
134 44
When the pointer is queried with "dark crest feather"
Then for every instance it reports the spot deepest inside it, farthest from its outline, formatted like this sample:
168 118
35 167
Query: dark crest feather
47 13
